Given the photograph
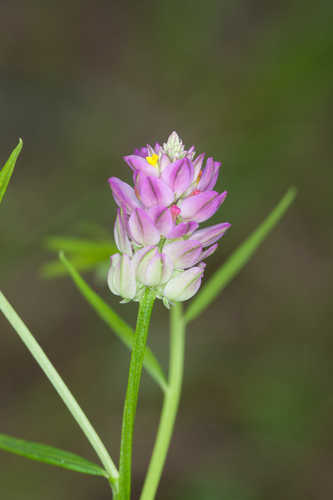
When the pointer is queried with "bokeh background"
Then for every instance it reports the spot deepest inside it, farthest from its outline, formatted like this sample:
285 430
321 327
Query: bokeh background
249 81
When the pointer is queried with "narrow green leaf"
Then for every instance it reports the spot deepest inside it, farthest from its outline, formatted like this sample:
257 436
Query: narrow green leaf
115 322
59 385
238 259
8 168
50 455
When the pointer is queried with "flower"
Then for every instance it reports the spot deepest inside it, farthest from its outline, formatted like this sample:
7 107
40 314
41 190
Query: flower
157 225
184 285
121 276
152 267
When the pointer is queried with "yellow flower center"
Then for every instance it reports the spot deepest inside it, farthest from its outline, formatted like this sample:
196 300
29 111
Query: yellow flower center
152 160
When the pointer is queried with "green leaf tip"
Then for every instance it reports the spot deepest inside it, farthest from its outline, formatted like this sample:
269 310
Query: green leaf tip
50 455
239 258
7 170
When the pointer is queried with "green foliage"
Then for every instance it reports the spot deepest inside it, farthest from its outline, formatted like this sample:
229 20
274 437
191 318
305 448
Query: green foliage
115 322
238 259
8 169
50 455
84 254
59 385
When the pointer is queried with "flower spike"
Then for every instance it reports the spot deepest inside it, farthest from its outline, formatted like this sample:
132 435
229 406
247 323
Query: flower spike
157 226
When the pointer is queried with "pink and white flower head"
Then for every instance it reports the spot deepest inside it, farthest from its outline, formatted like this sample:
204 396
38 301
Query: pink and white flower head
157 226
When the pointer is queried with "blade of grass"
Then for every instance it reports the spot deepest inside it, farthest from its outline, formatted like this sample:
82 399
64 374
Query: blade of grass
238 259
50 455
51 373
115 322
8 169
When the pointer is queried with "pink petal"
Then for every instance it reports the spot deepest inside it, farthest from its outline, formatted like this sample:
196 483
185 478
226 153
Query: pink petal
209 175
181 229
209 251
179 175
153 191
202 206
142 228
124 194
162 218
211 234
183 253
139 163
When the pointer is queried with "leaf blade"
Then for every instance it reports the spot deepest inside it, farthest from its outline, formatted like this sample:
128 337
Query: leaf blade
59 385
115 322
238 259
7 170
50 455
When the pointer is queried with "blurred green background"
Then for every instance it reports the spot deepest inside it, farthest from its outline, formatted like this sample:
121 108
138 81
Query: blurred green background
250 82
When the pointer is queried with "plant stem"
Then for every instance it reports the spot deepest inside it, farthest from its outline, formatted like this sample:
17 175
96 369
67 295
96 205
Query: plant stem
170 404
61 388
134 377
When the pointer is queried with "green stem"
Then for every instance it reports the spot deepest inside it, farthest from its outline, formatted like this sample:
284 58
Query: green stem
60 386
170 404
137 357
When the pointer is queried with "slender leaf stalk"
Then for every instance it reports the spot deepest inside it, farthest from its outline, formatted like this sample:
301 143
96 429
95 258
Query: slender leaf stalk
61 388
134 377
170 405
